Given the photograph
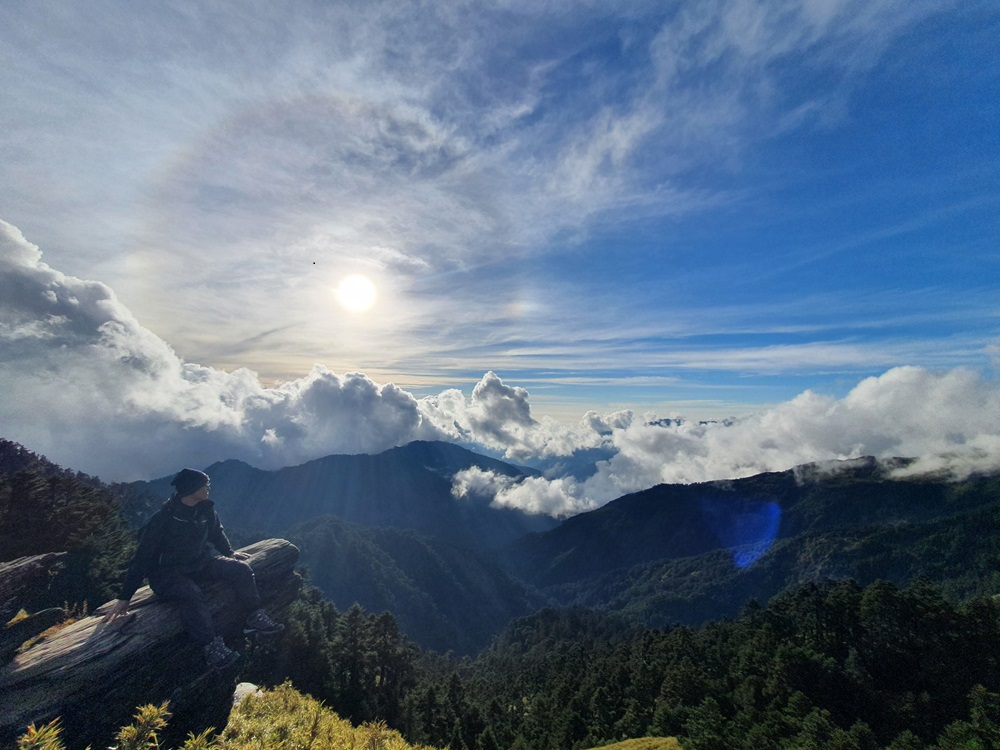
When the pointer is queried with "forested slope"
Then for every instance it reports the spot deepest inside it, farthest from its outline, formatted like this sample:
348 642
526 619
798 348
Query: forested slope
445 597
44 508
830 662
825 666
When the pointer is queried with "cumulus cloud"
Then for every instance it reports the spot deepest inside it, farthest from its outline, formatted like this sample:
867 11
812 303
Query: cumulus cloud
557 497
90 387
949 421
87 385
474 482
498 416
606 424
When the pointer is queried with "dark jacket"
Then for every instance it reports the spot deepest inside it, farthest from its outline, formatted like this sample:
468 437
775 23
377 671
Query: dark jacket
176 539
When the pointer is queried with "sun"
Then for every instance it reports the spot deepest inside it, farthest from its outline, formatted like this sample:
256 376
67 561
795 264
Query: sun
356 293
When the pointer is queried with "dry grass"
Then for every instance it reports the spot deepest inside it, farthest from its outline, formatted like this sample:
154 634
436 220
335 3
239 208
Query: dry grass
278 719
21 615
284 719
645 743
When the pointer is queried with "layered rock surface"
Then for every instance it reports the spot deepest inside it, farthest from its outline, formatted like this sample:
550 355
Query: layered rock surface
93 674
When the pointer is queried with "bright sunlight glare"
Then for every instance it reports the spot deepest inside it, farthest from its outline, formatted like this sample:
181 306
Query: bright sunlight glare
356 293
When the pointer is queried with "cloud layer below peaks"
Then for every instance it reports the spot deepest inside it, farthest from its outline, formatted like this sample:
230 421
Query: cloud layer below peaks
88 386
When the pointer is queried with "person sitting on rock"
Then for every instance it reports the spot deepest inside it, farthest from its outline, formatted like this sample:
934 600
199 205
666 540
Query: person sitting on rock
176 553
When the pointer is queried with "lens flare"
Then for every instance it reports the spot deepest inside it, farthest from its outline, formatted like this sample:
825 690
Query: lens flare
747 529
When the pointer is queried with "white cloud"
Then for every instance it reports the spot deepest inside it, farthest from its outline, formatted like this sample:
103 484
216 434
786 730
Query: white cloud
608 423
949 421
498 417
476 482
88 386
85 384
428 140
499 411
557 497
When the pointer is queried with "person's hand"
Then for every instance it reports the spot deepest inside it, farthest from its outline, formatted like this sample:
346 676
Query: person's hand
241 556
120 609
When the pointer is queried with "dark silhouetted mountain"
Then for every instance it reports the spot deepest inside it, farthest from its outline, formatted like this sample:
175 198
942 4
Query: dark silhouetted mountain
690 553
444 597
673 520
407 487
386 532
15 457
959 553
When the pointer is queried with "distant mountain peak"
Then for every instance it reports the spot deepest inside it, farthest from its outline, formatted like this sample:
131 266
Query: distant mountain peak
405 487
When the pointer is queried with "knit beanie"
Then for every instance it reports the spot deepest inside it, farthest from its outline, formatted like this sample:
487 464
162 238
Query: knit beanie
189 481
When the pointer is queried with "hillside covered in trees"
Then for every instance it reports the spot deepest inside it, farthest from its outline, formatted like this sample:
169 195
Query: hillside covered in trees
826 663
826 666
671 554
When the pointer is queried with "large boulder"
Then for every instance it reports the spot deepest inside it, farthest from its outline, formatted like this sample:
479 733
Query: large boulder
93 674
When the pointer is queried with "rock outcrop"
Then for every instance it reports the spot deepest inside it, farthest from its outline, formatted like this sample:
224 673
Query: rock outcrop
18 580
18 577
93 674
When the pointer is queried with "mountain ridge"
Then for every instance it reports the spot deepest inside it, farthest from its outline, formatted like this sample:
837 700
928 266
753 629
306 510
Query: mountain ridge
879 611
671 521
668 554
404 487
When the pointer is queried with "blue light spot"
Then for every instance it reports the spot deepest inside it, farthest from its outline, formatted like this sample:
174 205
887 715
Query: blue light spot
747 529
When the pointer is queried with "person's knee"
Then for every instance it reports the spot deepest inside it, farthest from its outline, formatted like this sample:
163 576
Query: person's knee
243 570
231 566
180 589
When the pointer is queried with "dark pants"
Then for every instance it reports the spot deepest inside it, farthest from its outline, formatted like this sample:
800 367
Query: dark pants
183 591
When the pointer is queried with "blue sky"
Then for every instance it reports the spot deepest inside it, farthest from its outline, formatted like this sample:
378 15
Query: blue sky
704 209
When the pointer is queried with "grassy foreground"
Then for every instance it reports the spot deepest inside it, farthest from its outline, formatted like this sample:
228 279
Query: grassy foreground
645 743
277 719
283 718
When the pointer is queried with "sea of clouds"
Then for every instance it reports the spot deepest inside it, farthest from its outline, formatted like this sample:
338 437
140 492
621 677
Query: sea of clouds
85 384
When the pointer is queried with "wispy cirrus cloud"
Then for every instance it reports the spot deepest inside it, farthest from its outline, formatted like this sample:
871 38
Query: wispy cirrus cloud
214 157
715 205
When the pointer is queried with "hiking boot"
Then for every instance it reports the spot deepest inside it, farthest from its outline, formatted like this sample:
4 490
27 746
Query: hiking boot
261 623
218 655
